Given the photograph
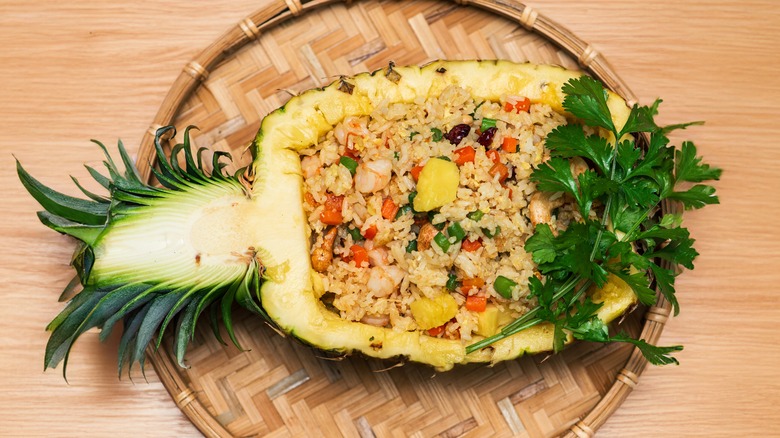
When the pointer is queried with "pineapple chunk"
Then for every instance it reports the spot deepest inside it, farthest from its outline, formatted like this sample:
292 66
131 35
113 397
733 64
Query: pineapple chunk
438 184
491 320
487 322
430 313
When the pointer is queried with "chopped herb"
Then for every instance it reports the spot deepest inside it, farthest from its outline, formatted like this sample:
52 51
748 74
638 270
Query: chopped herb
456 231
476 215
396 155
411 200
474 113
487 124
452 282
445 158
349 163
491 234
355 233
504 286
412 134
411 246
403 210
629 182
436 134
442 241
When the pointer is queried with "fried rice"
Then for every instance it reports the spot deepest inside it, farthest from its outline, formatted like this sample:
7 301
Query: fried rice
389 147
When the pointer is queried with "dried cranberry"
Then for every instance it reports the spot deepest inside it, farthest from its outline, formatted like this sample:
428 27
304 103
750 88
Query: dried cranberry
486 138
458 133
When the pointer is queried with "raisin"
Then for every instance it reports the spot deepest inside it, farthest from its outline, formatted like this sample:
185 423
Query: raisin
486 138
458 133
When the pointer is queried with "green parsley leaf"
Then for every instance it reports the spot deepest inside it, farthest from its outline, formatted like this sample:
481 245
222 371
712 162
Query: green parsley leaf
436 134
688 167
570 141
696 197
654 354
586 99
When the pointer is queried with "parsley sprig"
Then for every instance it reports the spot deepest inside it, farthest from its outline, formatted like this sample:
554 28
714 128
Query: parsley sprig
625 185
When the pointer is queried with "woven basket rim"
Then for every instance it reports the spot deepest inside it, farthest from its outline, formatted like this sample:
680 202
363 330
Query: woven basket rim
279 11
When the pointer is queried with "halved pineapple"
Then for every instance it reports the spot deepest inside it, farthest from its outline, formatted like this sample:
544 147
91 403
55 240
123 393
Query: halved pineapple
205 241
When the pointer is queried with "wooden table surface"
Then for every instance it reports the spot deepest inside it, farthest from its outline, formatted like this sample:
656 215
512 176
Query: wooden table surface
74 70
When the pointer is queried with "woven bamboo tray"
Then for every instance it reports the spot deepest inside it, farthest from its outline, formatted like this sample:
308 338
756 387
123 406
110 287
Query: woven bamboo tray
280 387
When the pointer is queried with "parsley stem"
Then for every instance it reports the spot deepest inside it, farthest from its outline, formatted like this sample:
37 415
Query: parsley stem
608 204
636 224
527 320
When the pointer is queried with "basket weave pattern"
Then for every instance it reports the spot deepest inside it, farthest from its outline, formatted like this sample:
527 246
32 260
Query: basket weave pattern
278 386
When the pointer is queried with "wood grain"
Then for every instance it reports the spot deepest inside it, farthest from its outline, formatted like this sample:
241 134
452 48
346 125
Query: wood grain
71 71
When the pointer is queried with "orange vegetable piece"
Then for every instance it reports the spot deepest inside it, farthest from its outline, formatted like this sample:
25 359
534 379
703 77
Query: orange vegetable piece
359 255
501 170
389 209
509 145
467 284
331 215
436 331
471 245
494 156
370 232
416 172
476 303
464 155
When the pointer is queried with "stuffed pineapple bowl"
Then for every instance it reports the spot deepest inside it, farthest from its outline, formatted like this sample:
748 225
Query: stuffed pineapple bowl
428 213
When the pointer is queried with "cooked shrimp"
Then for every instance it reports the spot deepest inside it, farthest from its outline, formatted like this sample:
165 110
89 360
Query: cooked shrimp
310 166
376 320
425 236
372 176
383 280
377 255
578 166
540 208
323 252
351 126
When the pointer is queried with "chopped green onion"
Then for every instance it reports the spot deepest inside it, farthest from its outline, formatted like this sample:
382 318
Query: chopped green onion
355 233
489 233
403 210
412 134
431 215
504 286
396 155
452 282
443 241
476 215
442 157
411 200
456 231
487 123
476 108
411 246
349 163
436 134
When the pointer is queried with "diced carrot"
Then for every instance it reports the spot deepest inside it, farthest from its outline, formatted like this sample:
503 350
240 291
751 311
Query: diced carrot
436 331
508 106
464 155
523 105
359 255
468 284
471 245
476 303
370 232
389 209
493 155
331 215
501 170
416 172
509 145
351 152
309 198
